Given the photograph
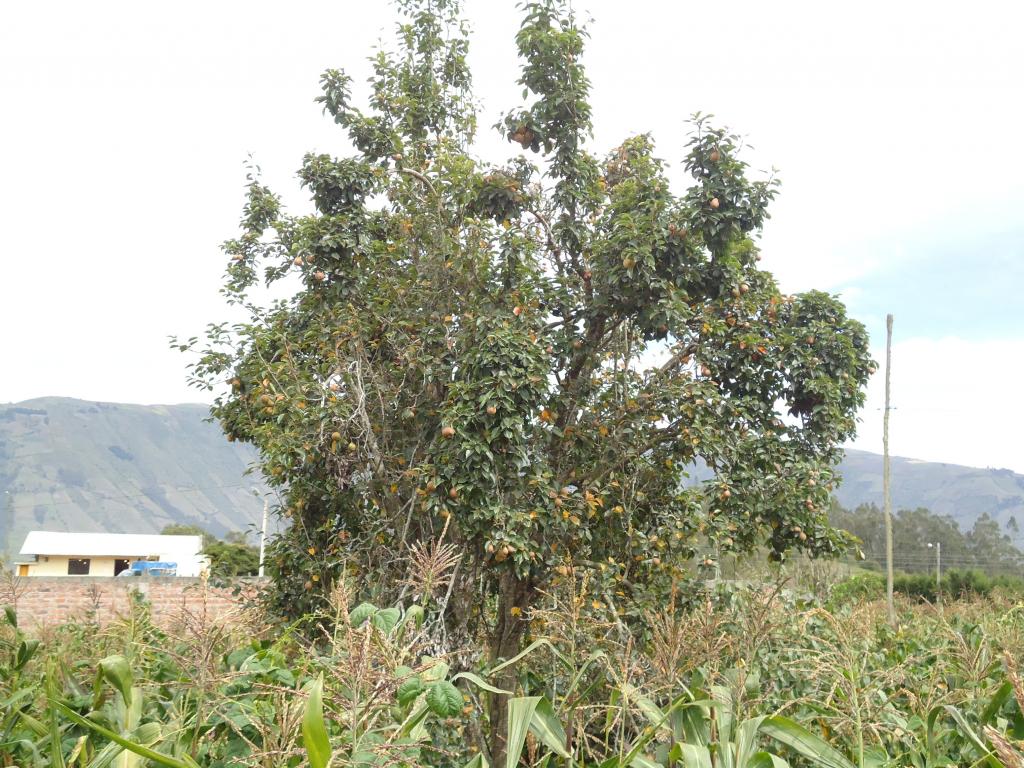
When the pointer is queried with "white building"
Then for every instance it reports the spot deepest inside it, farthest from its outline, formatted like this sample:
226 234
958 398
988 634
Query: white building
107 554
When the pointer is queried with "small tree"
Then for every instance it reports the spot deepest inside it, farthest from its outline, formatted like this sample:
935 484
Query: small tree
528 357
231 557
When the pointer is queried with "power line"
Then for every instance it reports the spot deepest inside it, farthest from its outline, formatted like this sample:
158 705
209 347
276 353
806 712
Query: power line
929 563
954 560
962 554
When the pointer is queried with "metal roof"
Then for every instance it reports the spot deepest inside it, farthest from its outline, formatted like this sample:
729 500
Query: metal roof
112 544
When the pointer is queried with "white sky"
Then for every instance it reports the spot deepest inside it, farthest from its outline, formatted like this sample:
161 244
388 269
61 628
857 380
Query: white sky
895 125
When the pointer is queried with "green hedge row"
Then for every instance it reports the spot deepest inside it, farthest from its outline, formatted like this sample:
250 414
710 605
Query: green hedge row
955 583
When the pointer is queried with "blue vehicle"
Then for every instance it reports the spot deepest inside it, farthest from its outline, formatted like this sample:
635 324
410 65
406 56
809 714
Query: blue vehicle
151 568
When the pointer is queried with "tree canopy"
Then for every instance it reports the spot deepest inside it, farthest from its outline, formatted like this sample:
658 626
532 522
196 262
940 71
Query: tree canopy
524 357
984 547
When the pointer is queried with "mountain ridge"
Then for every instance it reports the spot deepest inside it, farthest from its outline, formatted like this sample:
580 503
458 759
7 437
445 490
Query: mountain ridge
963 493
84 465
71 464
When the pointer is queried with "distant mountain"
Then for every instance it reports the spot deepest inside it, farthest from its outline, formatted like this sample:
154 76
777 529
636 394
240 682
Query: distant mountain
963 493
72 465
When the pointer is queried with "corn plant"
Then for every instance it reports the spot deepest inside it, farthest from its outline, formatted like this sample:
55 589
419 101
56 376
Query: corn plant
17 692
696 730
989 735
115 721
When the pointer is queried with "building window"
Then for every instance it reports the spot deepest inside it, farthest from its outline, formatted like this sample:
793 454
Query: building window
78 567
120 565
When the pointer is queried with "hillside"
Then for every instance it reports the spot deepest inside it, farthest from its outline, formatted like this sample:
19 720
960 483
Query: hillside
71 465
964 493
83 466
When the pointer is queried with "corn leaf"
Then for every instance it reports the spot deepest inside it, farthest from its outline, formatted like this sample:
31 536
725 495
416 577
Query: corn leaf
131 746
802 741
527 651
695 756
106 756
766 760
479 682
116 671
547 727
520 715
973 737
314 729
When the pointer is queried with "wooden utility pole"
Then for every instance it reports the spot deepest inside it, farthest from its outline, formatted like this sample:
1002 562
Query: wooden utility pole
886 490
263 537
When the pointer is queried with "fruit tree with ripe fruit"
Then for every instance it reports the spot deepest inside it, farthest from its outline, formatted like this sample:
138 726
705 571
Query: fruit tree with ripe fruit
528 355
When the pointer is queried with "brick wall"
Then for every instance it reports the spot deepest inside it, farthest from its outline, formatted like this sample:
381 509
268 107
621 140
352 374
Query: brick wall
173 601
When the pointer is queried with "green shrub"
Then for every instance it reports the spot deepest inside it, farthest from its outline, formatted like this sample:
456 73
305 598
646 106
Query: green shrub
955 584
859 588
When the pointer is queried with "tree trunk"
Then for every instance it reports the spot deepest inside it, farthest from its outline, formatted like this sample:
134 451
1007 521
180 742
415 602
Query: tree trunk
514 598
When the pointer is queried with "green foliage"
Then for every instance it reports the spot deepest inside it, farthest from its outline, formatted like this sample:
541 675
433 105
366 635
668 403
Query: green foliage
444 699
859 588
229 557
233 559
955 583
314 730
984 547
527 357
219 699
523 359
758 678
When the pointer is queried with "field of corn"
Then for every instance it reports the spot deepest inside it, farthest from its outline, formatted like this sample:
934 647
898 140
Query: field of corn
745 676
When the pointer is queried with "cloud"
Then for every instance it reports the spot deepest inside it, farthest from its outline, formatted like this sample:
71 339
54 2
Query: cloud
954 401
